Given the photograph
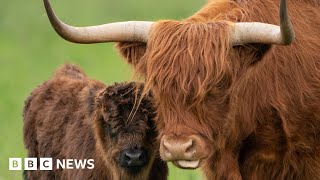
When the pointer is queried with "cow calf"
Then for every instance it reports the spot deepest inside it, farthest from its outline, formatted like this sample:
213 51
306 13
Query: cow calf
73 117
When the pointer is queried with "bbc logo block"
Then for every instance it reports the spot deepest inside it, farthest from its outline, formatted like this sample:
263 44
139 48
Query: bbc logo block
15 164
46 164
30 164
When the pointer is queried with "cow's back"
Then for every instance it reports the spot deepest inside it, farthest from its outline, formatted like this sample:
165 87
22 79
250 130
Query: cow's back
280 97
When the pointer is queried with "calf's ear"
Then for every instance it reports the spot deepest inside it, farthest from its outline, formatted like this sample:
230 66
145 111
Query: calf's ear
102 98
106 100
99 98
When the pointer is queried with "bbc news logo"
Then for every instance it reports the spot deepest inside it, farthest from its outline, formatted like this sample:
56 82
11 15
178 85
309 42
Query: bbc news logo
46 164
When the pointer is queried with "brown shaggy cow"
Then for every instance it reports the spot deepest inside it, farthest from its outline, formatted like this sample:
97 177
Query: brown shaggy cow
73 117
228 100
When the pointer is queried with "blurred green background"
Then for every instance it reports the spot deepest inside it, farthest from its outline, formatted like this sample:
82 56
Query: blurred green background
30 51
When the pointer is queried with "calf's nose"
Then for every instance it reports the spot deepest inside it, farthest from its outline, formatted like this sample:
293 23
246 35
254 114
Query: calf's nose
133 158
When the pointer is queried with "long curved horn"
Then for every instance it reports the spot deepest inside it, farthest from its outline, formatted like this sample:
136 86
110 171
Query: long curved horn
255 32
131 31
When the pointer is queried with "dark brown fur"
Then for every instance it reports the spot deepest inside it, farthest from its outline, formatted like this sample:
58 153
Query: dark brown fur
73 117
258 106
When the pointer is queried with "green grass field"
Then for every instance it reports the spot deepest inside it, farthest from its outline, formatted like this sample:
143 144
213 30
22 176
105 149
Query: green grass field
30 51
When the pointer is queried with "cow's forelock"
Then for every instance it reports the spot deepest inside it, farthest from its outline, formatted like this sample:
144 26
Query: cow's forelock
186 61
206 120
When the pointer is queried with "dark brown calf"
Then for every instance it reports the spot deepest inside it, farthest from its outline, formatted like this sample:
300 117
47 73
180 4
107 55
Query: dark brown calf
73 117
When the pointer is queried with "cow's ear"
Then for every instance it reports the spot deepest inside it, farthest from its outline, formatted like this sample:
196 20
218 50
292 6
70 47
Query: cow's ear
132 52
253 53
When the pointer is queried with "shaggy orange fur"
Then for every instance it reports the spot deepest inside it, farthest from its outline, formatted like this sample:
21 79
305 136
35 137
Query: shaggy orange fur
258 106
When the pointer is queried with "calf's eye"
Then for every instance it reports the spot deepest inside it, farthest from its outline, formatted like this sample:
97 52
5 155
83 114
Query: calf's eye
108 129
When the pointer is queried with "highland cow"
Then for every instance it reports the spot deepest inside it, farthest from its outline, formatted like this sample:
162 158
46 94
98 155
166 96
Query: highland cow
232 96
73 117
